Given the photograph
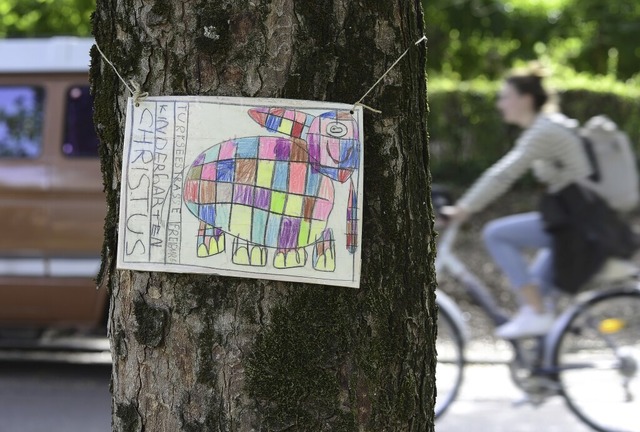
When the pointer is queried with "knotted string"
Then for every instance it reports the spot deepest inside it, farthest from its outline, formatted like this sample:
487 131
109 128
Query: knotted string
136 92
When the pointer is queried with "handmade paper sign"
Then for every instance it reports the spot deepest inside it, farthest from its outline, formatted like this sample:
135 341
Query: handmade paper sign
256 188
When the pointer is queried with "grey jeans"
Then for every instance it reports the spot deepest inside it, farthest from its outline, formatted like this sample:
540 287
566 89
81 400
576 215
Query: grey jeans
509 237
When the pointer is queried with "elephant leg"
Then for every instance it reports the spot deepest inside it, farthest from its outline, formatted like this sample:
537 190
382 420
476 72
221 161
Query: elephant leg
246 253
210 240
290 258
324 252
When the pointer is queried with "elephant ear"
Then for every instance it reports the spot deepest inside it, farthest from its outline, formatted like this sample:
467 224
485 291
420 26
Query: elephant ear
279 120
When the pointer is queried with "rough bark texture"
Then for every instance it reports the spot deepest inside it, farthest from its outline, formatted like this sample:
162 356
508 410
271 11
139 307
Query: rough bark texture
199 353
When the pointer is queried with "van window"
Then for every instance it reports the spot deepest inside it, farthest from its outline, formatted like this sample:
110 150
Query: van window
80 139
21 118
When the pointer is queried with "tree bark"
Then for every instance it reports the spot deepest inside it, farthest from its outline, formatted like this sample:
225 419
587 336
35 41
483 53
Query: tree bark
207 353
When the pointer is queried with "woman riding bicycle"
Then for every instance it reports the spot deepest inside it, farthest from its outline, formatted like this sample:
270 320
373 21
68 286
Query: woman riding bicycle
555 153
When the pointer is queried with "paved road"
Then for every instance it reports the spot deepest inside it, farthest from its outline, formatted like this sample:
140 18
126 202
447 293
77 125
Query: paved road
54 397
485 405
45 397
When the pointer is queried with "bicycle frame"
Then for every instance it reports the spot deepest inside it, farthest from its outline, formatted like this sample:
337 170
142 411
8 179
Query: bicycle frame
480 294
562 322
478 291
540 365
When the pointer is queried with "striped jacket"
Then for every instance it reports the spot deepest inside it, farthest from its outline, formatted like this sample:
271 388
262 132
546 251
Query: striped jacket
549 147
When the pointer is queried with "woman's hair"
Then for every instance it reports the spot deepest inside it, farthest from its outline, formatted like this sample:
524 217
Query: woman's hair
529 82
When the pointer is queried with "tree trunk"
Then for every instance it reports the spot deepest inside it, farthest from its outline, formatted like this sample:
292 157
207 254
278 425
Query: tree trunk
207 353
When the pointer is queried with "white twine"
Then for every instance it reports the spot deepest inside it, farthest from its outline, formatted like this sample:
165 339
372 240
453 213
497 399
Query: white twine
136 92
367 107
359 103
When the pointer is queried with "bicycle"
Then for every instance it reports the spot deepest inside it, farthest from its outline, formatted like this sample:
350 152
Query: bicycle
591 357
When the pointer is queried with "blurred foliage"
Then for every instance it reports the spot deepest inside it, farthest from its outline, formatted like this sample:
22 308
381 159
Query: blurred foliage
467 38
468 135
589 46
474 38
21 120
31 18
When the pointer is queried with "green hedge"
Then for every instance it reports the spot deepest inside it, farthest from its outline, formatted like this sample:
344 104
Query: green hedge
467 134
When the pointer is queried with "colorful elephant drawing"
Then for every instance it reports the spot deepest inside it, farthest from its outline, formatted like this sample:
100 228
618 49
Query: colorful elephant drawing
270 192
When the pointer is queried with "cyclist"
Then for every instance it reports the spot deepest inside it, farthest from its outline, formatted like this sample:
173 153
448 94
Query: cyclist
556 155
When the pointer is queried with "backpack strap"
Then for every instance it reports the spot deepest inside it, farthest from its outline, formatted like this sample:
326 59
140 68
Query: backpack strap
596 174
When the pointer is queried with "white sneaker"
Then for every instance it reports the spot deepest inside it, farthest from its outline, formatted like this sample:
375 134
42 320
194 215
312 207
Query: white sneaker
526 323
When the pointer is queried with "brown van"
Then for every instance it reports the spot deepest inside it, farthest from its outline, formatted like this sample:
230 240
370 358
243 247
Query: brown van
51 202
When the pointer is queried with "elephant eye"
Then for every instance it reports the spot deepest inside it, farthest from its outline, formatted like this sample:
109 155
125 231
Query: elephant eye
337 129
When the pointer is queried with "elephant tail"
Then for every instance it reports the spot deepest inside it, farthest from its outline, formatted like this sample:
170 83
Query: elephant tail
352 220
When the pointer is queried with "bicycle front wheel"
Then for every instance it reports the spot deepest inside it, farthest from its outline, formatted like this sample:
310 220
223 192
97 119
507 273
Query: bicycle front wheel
598 357
450 361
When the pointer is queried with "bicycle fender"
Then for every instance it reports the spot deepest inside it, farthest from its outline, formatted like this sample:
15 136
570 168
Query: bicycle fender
582 300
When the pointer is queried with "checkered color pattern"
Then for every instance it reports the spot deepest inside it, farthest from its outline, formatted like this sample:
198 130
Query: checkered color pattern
287 122
261 189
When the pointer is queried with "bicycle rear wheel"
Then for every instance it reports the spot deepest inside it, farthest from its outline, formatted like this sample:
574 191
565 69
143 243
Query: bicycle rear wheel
450 361
598 357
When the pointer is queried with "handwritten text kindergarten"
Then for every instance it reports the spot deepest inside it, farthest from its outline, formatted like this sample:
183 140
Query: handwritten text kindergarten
156 169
